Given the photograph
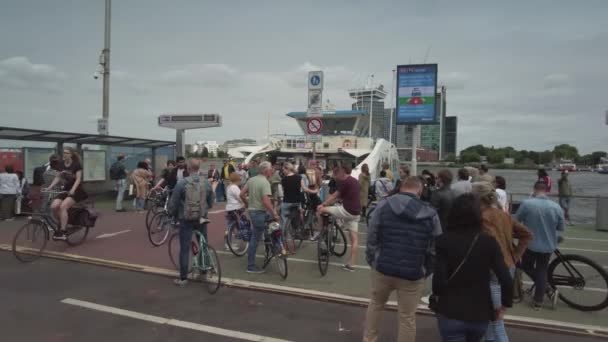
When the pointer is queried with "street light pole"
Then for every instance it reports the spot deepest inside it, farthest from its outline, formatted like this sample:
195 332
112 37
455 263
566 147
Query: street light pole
393 99
105 62
371 107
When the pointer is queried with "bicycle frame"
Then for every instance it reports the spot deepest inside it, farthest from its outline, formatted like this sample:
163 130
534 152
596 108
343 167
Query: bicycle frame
202 246
574 280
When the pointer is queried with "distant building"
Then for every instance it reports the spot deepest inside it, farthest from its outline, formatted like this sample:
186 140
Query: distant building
212 146
450 133
371 99
237 143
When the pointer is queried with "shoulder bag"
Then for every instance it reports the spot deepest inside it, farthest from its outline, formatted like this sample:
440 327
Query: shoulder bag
434 298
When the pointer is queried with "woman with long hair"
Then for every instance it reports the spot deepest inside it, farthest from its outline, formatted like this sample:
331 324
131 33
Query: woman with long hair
364 181
141 178
234 204
70 176
465 257
500 225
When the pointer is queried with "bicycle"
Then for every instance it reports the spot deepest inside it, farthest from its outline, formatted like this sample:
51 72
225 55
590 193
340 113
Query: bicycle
275 247
203 258
573 275
331 237
156 202
41 225
299 228
239 232
160 227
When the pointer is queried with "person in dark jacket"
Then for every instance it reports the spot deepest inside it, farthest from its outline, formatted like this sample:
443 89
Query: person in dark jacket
465 258
400 244
443 197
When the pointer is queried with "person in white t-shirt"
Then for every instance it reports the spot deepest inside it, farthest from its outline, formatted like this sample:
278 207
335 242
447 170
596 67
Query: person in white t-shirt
501 193
234 204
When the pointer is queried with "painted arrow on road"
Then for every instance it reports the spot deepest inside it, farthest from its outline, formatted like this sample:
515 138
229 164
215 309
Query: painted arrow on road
107 235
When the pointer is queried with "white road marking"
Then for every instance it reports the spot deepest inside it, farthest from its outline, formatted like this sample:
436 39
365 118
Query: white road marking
173 322
592 289
583 250
107 235
584 239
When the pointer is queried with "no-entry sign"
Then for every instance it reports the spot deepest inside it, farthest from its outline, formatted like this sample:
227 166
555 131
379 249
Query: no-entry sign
314 126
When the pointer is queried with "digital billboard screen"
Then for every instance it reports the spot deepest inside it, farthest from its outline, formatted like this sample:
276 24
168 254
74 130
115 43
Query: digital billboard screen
416 89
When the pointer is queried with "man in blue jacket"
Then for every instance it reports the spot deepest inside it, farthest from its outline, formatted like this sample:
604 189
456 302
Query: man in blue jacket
400 246
544 218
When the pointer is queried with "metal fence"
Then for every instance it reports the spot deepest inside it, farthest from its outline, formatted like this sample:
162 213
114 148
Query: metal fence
587 210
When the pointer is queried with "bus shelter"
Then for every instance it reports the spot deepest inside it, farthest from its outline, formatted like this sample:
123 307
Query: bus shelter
97 151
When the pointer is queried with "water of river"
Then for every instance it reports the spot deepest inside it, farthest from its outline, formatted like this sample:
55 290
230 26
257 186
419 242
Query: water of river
583 184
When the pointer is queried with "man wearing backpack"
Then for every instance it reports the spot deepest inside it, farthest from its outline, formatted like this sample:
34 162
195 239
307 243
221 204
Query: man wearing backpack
118 174
191 199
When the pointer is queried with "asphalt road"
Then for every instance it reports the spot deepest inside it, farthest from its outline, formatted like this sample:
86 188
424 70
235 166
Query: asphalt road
33 310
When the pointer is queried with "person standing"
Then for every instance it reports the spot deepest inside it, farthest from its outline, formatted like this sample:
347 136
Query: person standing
213 176
484 175
399 235
9 189
389 174
243 174
463 185
500 225
140 178
349 211
364 182
292 191
565 193
443 197
383 186
234 204
465 257
543 177
190 202
260 206
404 172
118 173
544 218
501 194
227 169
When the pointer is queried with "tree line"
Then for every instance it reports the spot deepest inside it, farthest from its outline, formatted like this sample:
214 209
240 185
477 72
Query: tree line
497 155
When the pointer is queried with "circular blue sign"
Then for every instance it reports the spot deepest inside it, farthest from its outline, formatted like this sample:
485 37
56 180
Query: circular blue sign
315 80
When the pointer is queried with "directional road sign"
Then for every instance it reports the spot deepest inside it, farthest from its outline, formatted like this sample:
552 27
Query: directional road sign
315 80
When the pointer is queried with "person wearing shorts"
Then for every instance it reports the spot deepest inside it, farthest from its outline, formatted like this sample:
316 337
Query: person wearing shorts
71 177
349 211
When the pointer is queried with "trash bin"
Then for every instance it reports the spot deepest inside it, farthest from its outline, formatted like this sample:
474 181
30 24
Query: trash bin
601 214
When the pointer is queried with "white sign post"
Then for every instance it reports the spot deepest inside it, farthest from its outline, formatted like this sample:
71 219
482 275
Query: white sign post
315 93
102 126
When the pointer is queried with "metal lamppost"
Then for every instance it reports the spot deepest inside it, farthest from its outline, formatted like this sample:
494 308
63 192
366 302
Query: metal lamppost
104 62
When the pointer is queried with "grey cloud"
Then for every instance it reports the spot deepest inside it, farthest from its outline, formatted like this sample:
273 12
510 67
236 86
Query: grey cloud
19 73
205 75
455 80
554 81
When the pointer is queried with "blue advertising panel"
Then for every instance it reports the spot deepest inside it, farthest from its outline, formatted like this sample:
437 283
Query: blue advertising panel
416 89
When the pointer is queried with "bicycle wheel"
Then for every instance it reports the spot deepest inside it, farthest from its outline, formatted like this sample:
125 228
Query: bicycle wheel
582 283
337 242
323 254
282 265
212 275
149 216
174 252
75 235
292 241
235 243
159 229
30 241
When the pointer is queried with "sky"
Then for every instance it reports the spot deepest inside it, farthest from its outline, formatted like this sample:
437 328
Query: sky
527 74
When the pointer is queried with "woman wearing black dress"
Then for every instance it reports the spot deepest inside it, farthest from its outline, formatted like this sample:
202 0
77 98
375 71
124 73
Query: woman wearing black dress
71 176
465 257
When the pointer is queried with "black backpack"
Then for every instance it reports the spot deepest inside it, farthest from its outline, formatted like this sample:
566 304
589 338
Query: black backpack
116 171
39 175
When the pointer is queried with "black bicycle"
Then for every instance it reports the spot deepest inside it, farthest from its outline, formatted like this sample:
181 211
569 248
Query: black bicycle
156 203
239 232
31 239
579 281
332 241
275 247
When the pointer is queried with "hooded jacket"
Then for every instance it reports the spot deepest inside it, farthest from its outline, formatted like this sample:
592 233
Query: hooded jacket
401 237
